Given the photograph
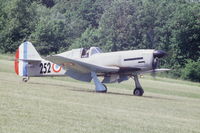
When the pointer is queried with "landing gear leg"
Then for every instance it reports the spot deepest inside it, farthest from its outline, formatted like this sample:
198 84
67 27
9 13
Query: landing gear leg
25 79
99 87
138 91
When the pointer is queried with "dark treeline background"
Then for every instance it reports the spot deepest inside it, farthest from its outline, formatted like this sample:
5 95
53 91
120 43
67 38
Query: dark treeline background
57 25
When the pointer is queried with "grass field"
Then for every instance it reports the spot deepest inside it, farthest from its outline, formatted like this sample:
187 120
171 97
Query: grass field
63 105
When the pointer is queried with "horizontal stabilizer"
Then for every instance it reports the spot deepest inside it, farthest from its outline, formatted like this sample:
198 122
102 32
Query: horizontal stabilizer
29 60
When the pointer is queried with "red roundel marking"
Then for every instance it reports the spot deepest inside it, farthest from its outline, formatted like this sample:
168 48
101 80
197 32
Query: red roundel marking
56 68
17 62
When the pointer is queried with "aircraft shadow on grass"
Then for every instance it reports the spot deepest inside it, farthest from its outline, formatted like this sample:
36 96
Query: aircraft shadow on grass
77 89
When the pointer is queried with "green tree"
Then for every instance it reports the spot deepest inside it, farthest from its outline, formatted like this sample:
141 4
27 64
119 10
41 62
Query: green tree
88 39
50 36
19 21
118 27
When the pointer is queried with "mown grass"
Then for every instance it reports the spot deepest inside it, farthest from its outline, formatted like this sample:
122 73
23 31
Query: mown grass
64 105
7 57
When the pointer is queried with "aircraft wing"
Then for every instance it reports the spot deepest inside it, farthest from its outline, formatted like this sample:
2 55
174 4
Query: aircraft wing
80 66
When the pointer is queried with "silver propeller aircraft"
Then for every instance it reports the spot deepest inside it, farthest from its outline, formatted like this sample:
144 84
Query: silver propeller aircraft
89 64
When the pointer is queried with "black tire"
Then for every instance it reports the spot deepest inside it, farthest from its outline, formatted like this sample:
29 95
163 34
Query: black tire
25 80
138 92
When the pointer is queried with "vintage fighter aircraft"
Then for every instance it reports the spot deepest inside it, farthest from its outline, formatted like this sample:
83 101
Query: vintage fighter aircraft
87 64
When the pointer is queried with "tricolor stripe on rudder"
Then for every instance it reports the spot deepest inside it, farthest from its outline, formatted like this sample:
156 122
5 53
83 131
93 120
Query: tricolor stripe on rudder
17 62
20 56
25 48
26 53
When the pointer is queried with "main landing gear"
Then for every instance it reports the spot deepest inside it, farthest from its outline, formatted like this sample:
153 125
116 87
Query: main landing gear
25 79
99 87
138 91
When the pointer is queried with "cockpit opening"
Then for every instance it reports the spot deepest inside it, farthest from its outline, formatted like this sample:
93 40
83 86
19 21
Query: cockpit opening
85 53
89 52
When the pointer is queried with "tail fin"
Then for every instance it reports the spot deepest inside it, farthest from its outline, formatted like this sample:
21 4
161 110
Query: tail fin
28 52
25 53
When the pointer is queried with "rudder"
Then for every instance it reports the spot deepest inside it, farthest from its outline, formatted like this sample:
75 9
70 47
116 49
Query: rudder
25 53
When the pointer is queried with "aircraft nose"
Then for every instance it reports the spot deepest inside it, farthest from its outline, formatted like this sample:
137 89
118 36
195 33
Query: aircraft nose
159 53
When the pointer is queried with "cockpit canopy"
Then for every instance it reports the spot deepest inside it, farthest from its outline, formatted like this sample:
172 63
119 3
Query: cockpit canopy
89 52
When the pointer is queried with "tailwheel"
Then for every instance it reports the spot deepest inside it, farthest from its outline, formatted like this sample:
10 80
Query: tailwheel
25 79
138 92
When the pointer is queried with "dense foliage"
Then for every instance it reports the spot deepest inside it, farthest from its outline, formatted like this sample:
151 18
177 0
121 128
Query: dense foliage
58 25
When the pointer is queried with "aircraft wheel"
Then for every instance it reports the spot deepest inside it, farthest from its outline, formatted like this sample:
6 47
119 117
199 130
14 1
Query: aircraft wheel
138 92
25 79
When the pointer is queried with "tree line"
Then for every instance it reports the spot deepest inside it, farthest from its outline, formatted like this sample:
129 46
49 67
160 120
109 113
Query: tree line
57 25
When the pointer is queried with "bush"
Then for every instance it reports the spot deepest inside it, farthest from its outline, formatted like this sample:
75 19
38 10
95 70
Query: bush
192 71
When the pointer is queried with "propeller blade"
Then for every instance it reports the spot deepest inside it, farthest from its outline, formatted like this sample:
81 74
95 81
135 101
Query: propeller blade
155 63
156 55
